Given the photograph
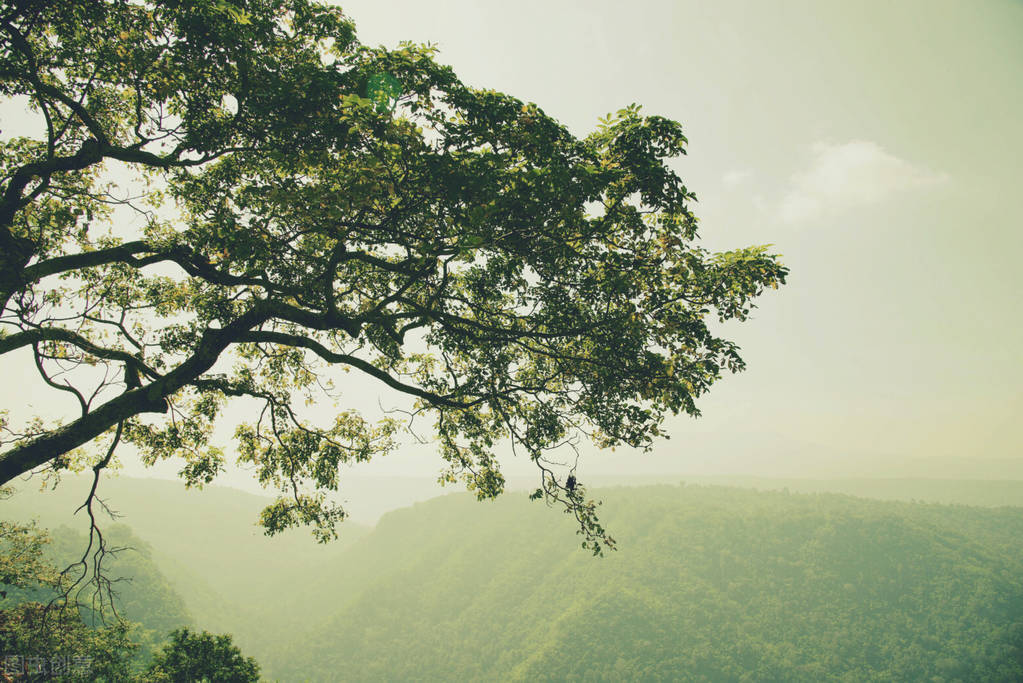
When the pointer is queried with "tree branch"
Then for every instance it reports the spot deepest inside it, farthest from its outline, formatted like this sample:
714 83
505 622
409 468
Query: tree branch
30 337
151 398
294 340
192 263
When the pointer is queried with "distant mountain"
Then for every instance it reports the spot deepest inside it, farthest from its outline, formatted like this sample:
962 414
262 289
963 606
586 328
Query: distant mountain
984 493
709 583
948 467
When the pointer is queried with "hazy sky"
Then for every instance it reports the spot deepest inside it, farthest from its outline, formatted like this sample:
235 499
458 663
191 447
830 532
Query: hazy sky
877 145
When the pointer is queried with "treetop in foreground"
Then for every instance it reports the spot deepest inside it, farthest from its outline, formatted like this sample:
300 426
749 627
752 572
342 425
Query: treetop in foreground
226 201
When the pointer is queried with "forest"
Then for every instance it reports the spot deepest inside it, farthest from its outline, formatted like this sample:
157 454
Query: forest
710 583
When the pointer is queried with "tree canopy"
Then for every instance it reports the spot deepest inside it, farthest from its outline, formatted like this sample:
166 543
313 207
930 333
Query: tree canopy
202 657
226 198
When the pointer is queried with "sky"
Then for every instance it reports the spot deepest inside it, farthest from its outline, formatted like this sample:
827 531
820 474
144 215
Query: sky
876 145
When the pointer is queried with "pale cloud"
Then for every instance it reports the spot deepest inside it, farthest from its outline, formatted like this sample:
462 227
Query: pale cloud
848 175
736 177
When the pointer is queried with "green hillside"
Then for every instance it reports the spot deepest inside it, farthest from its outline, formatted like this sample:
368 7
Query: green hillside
709 584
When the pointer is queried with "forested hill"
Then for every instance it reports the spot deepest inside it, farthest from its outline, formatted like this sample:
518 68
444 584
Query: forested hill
709 584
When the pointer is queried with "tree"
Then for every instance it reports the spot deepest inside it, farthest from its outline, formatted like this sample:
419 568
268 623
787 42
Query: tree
21 557
50 640
201 657
229 198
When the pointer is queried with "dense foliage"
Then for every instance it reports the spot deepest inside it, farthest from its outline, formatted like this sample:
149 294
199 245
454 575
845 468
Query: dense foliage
38 642
201 657
306 201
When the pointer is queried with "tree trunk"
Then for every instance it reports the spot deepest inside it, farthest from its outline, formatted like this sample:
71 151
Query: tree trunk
15 253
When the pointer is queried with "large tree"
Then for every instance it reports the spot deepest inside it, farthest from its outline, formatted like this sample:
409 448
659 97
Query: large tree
201 657
227 198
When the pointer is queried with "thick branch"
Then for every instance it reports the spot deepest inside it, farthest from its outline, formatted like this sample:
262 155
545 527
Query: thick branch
15 252
148 399
28 337
183 256
329 320
89 259
87 155
42 449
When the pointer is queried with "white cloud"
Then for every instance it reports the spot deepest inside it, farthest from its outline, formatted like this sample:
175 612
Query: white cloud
848 175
